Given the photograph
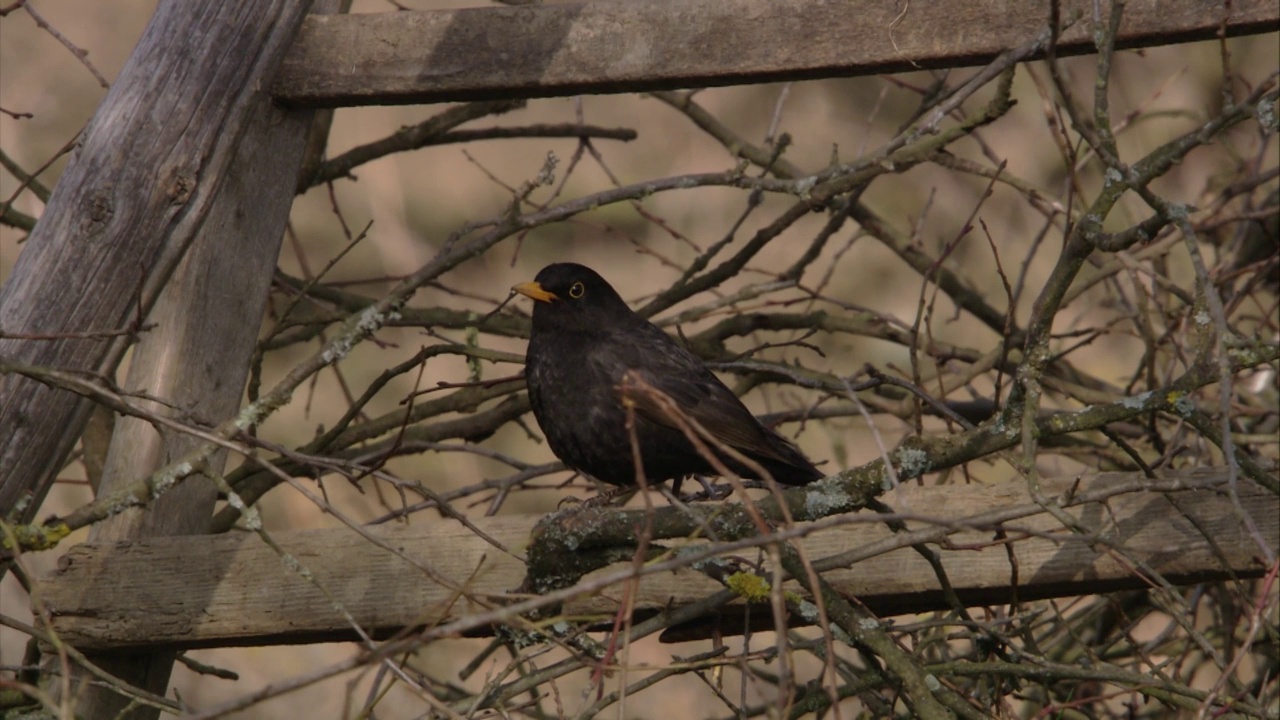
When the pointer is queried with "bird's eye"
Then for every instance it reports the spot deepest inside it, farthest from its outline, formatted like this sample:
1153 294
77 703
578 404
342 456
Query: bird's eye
576 290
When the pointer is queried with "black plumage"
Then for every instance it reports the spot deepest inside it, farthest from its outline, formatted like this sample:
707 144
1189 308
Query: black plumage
587 344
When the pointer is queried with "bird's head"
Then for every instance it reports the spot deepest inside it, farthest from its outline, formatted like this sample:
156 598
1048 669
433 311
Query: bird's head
572 296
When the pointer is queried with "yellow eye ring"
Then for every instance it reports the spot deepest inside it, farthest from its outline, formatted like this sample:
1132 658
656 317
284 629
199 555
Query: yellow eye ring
576 290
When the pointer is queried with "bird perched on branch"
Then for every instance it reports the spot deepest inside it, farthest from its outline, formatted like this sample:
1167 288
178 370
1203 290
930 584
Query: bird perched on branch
592 362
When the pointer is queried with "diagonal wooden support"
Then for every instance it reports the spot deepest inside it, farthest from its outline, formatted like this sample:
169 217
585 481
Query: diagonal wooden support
613 47
234 590
173 209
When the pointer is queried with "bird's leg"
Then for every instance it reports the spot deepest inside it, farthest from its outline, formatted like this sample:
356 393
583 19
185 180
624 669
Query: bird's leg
709 491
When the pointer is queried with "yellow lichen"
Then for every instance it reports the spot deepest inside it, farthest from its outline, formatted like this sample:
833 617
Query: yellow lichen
751 587
35 537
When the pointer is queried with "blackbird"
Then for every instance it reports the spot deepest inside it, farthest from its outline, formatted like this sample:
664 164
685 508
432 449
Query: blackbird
589 354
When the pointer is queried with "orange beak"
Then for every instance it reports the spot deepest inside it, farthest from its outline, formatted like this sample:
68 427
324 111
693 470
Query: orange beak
535 291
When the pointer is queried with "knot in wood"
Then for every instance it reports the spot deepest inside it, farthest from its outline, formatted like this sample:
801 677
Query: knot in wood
181 187
98 210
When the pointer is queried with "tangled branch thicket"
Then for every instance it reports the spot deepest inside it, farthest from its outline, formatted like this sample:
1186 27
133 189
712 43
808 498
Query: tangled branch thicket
1024 270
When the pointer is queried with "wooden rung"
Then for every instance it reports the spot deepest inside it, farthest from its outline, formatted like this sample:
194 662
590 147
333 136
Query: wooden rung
233 589
612 47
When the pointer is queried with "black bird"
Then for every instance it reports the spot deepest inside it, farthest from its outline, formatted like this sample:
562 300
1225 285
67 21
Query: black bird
587 345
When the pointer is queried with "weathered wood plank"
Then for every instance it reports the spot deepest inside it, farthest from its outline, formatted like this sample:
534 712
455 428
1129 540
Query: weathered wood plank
233 590
612 47
133 198
195 166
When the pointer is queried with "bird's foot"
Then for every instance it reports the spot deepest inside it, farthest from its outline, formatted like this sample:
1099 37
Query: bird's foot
718 492
710 491
610 498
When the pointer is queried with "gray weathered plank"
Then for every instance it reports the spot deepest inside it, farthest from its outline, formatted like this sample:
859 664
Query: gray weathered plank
233 590
122 216
196 167
611 47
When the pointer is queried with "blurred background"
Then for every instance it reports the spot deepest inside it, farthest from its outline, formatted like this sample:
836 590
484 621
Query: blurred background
412 201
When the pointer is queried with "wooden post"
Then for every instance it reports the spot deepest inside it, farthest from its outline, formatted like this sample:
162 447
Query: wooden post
135 195
176 201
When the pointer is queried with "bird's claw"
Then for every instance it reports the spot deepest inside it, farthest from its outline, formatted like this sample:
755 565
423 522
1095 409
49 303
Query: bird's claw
709 491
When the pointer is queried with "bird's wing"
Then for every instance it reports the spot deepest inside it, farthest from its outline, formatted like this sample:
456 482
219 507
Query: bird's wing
663 365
